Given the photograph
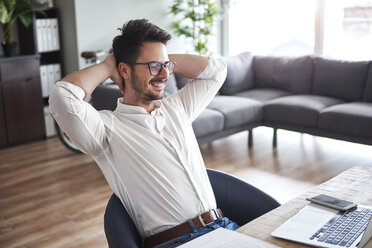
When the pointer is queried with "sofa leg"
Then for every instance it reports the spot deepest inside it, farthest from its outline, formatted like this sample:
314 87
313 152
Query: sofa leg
275 134
250 138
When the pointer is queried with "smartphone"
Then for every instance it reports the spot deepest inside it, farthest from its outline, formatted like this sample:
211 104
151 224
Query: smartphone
332 202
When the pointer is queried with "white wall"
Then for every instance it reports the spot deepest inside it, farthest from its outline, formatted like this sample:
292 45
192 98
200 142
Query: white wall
97 22
67 25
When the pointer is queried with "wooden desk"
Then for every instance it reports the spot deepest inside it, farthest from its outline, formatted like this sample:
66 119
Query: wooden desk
354 184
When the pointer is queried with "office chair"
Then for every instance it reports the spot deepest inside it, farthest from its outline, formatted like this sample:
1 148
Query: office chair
240 202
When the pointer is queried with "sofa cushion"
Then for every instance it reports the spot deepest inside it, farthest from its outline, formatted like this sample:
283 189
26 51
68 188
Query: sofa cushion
285 73
181 80
368 87
263 95
208 122
171 86
297 110
349 118
237 110
340 79
239 74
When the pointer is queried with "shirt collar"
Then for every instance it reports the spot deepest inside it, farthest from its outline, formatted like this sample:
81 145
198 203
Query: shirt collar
132 109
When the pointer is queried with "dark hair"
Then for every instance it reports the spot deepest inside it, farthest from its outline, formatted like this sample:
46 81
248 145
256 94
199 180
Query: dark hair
134 33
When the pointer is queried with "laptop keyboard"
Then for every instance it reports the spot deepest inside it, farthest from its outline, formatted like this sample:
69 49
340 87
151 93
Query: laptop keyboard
344 228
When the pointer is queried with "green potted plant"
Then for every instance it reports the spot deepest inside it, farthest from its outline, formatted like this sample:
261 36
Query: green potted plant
11 11
195 19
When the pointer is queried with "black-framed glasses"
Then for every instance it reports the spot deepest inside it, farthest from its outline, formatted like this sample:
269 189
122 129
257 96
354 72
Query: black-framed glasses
156 67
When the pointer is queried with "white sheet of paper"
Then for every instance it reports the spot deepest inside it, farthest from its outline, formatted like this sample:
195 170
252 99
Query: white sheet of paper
224 238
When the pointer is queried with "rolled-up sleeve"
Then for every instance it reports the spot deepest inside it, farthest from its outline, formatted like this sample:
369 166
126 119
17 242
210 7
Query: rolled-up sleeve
77 118
197 94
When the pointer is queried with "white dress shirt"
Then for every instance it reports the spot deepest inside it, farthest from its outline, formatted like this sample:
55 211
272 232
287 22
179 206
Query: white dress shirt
151 161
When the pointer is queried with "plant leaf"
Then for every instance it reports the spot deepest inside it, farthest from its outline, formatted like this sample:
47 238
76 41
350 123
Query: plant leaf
197 20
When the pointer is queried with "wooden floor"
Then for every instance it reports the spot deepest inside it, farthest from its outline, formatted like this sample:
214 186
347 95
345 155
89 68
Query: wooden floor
51 197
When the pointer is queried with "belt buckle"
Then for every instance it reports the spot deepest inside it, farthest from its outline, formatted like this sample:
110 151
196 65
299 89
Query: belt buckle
202 221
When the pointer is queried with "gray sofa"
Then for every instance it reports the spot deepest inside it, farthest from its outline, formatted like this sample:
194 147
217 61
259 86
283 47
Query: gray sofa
306 94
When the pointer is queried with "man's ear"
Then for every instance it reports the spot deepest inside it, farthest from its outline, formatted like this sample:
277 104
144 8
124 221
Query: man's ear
124 70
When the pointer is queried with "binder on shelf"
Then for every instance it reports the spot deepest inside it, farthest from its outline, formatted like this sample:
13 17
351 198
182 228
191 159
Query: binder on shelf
50 72
57 72
38 25
49 75
50 129
44 81
55 34
43 37
47 34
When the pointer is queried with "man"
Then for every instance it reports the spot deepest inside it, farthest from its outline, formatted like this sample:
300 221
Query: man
146 148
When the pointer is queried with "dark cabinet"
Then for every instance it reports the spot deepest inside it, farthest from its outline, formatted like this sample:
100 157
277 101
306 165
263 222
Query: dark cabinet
3 138
21 103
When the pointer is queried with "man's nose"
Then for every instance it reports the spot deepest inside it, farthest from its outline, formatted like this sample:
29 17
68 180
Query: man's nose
164 71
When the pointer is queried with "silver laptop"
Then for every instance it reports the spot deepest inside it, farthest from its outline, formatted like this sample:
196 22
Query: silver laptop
324 227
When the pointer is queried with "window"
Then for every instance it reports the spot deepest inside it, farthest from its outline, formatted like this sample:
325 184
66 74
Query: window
348 29
273 27
340 29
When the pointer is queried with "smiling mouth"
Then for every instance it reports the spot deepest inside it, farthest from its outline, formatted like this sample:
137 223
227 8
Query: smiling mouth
159 83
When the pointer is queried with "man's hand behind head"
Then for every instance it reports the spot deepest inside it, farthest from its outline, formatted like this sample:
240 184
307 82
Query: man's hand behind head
110 62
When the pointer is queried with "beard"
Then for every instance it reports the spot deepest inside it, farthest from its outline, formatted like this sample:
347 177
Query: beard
143 93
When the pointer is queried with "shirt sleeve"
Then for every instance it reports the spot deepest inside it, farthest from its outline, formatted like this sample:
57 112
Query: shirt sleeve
199 92
78 119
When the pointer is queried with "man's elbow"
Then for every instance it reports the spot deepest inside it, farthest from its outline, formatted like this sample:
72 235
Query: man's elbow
56 100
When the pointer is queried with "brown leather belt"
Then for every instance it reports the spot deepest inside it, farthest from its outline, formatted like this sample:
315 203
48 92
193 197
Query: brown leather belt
199 221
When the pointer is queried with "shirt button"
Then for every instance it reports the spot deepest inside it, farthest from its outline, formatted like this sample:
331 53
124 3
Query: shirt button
157 104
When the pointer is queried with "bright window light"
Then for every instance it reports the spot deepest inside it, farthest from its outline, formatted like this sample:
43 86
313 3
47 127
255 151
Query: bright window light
341 29
348 29
271 27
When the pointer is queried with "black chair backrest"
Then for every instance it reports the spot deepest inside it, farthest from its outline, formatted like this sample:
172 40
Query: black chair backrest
119 228
105 97
239 201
